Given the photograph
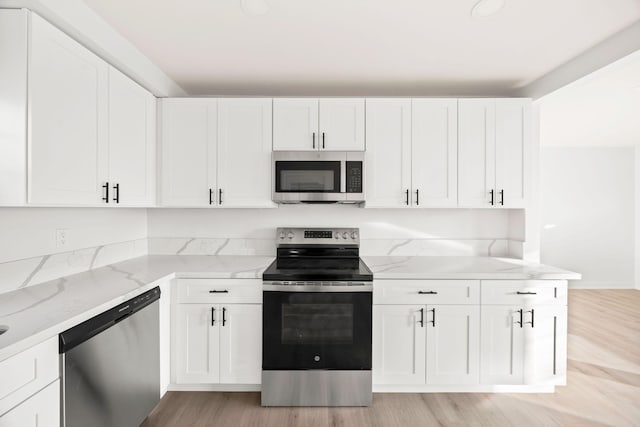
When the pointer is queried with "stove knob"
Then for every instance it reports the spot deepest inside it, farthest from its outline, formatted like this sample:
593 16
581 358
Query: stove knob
290 235
345 235
282 235
354 235
337 235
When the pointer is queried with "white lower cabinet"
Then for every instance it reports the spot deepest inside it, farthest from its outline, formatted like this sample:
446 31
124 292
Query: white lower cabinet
426 344
524 332
218 343
241 344
40 410
398 345
524 345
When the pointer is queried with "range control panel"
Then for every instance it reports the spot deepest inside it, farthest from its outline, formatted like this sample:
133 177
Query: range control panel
327 236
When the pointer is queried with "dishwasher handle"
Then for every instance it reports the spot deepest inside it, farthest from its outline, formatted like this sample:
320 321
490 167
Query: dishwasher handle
90 328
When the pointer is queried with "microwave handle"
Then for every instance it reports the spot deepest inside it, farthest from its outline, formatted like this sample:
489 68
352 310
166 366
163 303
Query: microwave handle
343 176
314 140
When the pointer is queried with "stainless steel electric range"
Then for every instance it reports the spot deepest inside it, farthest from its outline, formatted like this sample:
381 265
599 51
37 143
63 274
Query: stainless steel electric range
316 340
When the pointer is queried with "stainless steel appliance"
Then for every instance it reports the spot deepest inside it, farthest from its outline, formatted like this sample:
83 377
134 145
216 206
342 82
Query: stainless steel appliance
111 366
317 304
318 177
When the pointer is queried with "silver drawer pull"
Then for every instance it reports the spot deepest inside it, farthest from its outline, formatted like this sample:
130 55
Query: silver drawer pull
219 292
526 293
427 292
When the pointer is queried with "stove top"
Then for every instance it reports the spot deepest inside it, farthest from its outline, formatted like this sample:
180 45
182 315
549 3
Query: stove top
311 271
319 255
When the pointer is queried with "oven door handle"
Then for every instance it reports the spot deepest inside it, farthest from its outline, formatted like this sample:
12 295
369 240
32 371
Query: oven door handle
283 286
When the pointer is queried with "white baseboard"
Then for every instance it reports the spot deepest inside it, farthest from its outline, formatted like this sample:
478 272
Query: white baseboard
463 388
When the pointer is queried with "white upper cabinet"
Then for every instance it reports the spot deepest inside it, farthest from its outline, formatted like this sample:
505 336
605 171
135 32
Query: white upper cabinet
476 152
494 143
244 152
132 142
411 153
68 93
13 93
434 142
309 124
216 152
295 124
342 124
513 151
388 156
79 132
188 153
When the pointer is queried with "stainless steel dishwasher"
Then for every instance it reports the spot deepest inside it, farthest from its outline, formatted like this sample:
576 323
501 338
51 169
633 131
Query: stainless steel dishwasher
111 366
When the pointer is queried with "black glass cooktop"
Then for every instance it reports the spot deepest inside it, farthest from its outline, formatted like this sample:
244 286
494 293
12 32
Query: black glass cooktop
318 269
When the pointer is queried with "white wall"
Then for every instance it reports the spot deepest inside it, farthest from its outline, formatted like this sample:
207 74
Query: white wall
31 232
373 223
587 209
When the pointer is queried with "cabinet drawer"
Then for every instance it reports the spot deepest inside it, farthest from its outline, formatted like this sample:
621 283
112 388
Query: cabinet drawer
426 292
524 292
219 291
28 372
41 409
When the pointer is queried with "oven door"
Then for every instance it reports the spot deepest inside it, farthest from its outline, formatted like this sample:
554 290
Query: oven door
316 330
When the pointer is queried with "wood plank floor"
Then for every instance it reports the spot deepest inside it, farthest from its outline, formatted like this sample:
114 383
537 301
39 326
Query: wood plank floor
603 387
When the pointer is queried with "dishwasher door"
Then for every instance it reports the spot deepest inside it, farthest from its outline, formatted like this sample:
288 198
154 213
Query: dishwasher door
113 378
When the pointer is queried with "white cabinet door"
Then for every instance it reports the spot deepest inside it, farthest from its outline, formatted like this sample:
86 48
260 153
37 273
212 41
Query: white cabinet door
399 344
546 345
342 124
13 93
453 344
244 152
67 119
40 410
513 145
476 152
188 156
241 344
434 145
132 146
295 124
388 156
197 340
502 346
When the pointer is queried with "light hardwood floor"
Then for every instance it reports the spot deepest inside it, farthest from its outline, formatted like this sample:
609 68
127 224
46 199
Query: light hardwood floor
603 387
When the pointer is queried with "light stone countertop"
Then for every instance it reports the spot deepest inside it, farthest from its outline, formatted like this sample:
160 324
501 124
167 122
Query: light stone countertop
462 267
39 312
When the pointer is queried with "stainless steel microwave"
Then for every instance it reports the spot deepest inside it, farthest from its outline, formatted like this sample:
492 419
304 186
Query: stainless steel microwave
318 177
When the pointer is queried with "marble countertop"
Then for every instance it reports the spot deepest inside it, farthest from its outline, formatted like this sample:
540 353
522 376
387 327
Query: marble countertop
462 267
38 312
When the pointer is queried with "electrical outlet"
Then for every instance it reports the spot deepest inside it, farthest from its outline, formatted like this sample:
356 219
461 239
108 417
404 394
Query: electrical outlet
62 236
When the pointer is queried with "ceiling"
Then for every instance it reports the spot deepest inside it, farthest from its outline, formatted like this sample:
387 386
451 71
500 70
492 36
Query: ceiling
361 47
601 109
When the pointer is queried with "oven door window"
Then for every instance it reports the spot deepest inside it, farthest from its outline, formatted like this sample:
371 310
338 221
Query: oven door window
307 177
317 330
306 323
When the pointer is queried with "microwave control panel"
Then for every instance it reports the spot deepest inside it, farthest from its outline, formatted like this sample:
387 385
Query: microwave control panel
354 177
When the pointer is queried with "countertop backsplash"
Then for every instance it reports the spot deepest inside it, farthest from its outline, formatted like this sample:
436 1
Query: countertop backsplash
32 271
